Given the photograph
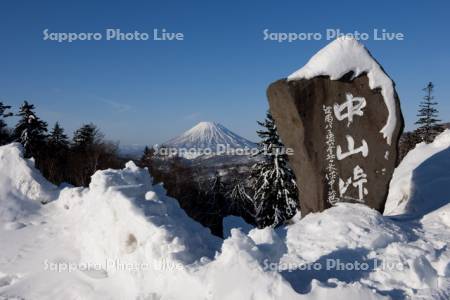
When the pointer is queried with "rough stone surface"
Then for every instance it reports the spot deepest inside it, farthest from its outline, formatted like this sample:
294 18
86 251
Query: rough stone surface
301 109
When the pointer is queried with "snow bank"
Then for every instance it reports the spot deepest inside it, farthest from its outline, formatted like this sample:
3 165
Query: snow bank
123 238
22 188
345 55
349 226
420 183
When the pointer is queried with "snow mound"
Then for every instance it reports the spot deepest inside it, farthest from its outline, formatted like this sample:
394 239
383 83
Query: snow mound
130 178
115 204
349 226
105 241
344 55
420 183
22 188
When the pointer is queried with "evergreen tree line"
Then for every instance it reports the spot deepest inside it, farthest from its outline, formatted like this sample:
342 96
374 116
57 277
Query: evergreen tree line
56 156
429 126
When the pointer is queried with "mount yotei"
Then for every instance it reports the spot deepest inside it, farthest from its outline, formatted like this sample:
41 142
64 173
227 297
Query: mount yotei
207 139
195 177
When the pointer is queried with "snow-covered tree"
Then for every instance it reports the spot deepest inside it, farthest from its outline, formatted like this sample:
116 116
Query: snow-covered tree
30 131
428 122
240 201
275 194
4 134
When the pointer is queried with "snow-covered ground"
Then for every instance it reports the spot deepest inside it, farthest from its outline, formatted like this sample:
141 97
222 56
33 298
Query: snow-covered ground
123 238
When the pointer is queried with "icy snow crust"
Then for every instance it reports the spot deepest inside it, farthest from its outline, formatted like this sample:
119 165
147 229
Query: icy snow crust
345 55
123 218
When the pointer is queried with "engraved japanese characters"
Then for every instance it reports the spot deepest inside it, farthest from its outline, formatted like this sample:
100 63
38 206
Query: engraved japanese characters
341 116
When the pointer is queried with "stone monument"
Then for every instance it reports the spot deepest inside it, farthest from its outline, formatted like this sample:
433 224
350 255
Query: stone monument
341 115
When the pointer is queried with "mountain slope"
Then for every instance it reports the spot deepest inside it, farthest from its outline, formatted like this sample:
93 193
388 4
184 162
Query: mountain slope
208 135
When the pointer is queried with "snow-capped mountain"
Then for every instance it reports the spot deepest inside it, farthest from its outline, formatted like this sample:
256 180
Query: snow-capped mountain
208 135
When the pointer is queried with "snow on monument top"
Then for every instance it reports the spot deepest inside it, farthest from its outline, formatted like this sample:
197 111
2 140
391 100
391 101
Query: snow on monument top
344 55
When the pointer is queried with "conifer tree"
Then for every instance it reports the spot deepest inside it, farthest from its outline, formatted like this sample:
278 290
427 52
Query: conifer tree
241 202
30 131
57 138
86 136
147 151
217 189
275 195
428 123
56 163
86 151
4 134
147 157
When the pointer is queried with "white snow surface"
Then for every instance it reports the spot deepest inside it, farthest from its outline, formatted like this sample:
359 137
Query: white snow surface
21 184
160 253
344 55
208 135
421 182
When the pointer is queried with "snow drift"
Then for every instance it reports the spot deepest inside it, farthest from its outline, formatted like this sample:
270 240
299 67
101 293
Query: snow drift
420 184
123 238
21 187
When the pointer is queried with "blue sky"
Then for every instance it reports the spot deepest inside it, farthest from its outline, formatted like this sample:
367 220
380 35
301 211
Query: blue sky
147 92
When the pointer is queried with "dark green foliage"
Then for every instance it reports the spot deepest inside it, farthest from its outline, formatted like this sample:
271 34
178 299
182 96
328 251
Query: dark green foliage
58 159
89 153
146 158
56 162
87 136
30 131
4 132
57 138
428 122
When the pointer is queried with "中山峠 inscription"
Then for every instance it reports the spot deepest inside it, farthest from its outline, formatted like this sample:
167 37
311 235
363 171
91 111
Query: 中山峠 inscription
334 128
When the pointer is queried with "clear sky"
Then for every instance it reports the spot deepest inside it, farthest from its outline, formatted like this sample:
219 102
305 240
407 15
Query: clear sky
146 92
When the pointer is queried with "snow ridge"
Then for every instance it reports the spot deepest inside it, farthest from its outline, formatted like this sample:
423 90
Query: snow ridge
344 55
